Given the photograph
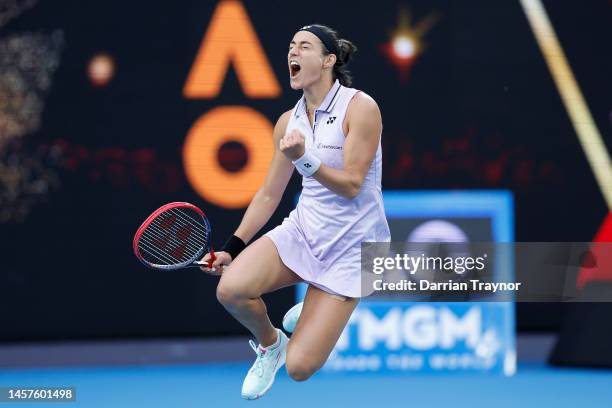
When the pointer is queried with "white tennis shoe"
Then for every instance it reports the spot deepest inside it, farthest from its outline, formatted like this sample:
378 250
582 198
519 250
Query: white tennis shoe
291 317
261 375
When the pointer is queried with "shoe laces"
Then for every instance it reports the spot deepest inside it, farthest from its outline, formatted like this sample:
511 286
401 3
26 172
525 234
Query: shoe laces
258 367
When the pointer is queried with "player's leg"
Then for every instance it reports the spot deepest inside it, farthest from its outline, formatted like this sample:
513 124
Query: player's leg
319 327
257 270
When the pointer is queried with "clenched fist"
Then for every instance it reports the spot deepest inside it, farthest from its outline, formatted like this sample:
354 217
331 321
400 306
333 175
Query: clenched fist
292 145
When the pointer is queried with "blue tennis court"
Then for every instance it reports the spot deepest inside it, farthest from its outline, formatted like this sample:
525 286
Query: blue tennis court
218 385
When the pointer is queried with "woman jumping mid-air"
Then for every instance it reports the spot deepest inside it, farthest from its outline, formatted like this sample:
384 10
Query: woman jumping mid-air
332 137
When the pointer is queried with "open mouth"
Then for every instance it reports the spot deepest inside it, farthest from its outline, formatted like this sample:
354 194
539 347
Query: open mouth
294 68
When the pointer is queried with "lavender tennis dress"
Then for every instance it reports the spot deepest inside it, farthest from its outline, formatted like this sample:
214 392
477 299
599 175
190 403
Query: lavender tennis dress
321 238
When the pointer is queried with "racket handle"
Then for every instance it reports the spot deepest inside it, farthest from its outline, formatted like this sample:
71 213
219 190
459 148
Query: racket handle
213 257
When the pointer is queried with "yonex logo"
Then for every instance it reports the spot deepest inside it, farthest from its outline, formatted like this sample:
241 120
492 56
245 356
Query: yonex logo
331 120
307 165
170 235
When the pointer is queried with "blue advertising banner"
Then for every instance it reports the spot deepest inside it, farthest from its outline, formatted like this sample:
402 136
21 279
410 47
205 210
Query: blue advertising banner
428 337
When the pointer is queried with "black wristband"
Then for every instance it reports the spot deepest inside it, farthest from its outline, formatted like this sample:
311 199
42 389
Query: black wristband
233 246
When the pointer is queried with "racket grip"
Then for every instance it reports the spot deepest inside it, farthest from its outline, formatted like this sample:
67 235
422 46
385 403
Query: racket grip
213 257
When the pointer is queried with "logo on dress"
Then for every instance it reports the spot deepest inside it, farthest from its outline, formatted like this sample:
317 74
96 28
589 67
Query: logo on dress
331 120
324 146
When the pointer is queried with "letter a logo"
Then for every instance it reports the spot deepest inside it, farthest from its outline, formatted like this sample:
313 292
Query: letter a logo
231 39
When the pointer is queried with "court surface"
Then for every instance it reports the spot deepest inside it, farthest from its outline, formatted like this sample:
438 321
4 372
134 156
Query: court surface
218 385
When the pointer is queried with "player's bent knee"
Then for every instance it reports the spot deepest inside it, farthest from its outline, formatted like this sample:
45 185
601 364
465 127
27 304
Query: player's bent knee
299 372
229 295
300 368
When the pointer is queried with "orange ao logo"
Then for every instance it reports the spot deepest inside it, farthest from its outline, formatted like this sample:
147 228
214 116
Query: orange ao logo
229 40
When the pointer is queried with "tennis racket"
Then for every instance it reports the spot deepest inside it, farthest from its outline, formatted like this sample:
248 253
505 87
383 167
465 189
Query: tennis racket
175 236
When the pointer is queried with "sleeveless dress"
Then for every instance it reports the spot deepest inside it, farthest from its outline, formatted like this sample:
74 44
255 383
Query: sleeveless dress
321 238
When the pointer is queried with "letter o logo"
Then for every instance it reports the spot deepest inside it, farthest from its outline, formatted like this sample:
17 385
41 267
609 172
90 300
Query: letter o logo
205 138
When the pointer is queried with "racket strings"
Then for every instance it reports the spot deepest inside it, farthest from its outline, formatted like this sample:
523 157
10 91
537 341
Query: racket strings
165 244
159 235
155 241
158 240
196 223
156 255
167 257
185 235
174 237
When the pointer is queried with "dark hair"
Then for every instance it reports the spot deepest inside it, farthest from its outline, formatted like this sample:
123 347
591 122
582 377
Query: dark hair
346 49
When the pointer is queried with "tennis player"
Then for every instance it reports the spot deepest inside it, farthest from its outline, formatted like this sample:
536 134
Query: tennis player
332 138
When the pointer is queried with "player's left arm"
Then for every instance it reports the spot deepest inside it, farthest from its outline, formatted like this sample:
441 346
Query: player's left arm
364 125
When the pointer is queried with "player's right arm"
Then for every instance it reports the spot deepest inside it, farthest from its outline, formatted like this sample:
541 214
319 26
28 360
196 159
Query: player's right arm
267 198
